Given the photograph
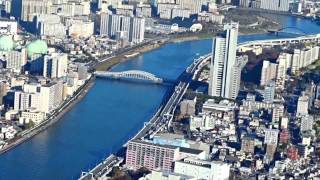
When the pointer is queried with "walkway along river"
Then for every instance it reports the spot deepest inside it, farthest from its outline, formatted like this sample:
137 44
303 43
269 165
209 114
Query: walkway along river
111 113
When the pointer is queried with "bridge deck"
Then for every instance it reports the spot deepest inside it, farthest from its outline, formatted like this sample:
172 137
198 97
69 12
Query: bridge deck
133 74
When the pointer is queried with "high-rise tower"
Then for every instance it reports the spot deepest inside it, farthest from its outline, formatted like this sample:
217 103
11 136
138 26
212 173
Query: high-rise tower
225 70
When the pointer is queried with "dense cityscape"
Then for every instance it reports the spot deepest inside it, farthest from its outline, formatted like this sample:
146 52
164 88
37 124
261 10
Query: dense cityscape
182 89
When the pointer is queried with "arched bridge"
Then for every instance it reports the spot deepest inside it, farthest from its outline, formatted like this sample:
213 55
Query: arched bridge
289 30
132 74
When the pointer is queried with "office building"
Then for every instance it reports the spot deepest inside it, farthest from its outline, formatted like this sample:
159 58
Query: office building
225 71
55 65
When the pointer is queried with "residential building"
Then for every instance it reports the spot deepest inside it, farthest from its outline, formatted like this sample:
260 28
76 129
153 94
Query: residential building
303 105
55 65
50 96
268 72
275 5
306 123
130 28
30 8
224 71
152 156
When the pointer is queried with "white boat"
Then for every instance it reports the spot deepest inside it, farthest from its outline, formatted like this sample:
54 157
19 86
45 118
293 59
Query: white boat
131 55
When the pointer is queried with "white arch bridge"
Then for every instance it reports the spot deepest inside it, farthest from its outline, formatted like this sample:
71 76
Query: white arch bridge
132 74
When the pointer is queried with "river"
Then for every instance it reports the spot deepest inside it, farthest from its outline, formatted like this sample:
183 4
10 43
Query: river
111 113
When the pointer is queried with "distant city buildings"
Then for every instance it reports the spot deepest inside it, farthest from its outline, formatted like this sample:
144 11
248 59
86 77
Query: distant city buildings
274 5
122 27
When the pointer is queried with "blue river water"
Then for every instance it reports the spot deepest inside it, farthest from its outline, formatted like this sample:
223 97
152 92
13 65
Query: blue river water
111 113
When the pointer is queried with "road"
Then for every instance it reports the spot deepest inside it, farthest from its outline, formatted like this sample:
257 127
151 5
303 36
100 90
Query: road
165 114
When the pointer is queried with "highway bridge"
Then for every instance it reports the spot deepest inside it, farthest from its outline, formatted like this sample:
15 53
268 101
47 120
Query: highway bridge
288 30
280 41
132 74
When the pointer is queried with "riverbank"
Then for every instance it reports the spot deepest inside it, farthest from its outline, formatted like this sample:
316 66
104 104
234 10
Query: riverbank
108 64
54 118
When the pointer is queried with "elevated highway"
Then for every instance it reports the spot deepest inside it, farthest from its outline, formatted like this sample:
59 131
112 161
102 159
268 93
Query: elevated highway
159 121
288 30
280 41
163 118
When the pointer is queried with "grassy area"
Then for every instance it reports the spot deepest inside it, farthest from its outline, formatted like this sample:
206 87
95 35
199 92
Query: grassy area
108 64
121 58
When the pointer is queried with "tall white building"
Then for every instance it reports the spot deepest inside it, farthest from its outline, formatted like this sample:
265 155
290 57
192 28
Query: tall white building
55 65
224 66
268 72
306 123
122 27
269 92
49 25
271 136
303 105
50 96
30 8
284 63
136 34
275 5
25 100
15 60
